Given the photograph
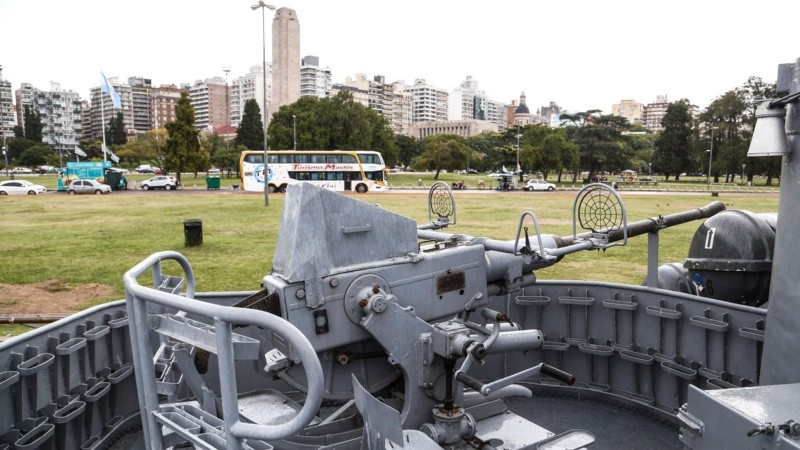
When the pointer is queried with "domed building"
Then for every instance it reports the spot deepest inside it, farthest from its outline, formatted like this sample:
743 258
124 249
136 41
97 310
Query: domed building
522 115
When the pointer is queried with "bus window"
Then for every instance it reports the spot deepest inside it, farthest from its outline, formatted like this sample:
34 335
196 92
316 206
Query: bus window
273 159
333 159
356 176
348 159
335 176
254 158
370 158
301 159
317 158
286 159
375 176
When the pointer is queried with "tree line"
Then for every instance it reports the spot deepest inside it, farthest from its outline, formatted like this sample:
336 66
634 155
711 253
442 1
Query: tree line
587 142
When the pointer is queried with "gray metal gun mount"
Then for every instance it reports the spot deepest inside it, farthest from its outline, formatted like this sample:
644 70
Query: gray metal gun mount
364 290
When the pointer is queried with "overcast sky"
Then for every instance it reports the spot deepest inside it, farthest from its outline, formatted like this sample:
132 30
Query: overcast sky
581 54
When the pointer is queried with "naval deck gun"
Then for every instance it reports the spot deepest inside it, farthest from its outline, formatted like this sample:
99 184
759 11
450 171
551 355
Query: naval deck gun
373 331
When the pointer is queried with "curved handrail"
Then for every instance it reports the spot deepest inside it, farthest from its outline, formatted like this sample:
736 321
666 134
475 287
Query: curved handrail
223 316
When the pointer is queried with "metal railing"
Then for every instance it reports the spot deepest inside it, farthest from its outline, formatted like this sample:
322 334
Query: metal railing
138 297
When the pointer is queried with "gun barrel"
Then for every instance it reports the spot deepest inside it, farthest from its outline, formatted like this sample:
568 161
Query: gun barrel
654 224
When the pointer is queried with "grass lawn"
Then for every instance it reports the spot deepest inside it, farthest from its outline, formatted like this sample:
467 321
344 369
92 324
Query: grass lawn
95 239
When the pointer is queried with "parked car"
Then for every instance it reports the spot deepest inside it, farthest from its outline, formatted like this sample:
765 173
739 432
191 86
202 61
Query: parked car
214 171
145 168
539 185
21 170
12 187
88 187
45 169
160 182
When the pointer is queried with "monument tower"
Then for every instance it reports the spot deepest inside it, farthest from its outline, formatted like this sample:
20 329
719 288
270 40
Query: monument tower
285 59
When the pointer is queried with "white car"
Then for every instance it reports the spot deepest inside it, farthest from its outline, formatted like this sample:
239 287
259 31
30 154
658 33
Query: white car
21 170
12 187
145 168
88 187
539 185
160 181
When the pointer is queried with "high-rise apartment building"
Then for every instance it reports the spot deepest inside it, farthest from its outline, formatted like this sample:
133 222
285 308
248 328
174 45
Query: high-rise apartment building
401 111
285 59
60 113
7 116
102 110
249 87
467 102
24 96
86 118
315 81
140 96
629 109
210 101
428 103
162 105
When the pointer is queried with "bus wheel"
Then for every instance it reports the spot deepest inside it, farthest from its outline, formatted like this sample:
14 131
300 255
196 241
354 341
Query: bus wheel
283 188
272 189
361 188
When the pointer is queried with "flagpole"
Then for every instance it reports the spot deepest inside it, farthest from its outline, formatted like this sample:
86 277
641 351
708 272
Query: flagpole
103 122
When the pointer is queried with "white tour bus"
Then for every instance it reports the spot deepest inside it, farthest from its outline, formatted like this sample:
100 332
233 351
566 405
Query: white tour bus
338 170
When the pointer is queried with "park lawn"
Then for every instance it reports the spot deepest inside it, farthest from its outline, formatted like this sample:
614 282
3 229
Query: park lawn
95 239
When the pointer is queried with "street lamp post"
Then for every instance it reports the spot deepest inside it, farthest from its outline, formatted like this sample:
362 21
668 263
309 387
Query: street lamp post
5 155
710 156
264 6
743 166
294 130
518 167
5 151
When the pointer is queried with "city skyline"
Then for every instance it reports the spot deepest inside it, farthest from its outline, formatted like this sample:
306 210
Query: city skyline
548 51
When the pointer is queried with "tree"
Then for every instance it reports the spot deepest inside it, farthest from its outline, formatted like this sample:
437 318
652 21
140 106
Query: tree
335 123
182 147
251 128
115 133
555 152
91 147
147 150
18 145
33 125
726 115
227 159
36 155
601 144
443 152
408 149
672 155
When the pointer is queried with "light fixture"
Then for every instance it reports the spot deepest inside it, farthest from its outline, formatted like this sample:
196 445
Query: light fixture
769 136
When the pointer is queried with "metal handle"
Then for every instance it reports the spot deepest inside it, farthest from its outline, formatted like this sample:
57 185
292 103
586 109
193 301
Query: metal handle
558 374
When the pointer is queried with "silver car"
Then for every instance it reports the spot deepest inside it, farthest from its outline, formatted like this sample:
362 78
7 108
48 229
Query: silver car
88 187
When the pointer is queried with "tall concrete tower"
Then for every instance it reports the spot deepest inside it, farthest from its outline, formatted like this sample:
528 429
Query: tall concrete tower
285 59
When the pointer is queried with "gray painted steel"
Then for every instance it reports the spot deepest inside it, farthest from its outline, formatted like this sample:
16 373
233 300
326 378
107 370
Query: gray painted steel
779 364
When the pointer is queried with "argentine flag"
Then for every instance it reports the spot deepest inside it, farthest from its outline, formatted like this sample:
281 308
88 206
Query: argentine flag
109 89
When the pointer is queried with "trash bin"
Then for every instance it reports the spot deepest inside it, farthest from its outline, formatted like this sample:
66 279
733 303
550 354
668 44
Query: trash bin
193 232
212 182
113 179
